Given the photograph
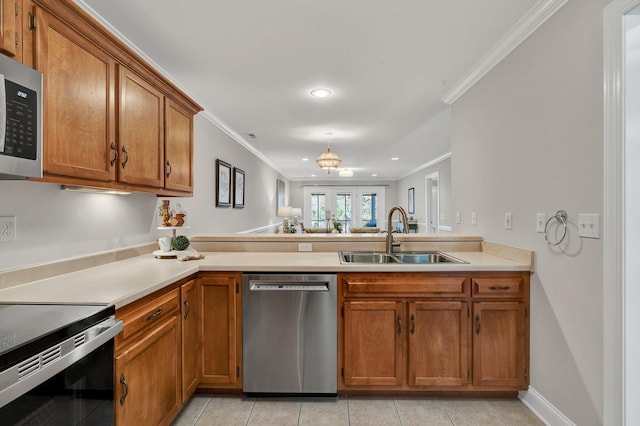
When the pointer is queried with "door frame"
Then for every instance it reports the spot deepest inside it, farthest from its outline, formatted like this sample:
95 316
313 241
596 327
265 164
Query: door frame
428 200
614 338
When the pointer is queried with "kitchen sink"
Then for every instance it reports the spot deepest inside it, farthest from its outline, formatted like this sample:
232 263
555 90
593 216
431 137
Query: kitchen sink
422 258
366 257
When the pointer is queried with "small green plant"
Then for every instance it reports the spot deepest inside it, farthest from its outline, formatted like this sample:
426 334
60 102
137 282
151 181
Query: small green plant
180 243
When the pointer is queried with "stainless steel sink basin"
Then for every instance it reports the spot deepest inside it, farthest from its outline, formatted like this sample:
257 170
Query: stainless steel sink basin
366 257
422 258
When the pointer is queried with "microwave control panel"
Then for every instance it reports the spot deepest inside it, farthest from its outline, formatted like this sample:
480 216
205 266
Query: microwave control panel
20 135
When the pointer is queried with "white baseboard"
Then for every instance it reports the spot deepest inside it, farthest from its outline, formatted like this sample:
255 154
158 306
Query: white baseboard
542 408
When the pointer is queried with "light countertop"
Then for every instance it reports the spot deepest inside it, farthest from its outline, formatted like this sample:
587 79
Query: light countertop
125 281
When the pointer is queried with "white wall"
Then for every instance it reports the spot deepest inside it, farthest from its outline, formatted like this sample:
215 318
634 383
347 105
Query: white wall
54 224
526 139
203 216
417 180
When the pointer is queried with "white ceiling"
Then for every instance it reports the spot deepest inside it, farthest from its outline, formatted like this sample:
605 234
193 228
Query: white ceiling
252 64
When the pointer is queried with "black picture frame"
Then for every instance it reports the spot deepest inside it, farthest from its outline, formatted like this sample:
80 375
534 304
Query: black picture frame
238 188
223 184
412 201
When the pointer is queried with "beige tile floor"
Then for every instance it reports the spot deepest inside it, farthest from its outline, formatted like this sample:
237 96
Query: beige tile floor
204 410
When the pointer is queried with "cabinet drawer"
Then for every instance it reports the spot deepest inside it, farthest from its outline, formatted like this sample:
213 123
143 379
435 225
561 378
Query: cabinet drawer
151 313
498 287
407 285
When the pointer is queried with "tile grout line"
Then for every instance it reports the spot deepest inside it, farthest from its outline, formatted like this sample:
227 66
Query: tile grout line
202 411
250 412
397 412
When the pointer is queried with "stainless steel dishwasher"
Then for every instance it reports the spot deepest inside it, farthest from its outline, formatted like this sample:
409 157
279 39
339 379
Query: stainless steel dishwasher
289 334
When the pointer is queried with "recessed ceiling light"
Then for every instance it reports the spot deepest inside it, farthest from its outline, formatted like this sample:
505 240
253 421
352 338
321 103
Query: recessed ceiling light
374 175
320 93
305 159
313 175
394 158
345 172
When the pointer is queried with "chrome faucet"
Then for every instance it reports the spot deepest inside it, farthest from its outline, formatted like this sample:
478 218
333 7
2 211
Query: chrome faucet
405 229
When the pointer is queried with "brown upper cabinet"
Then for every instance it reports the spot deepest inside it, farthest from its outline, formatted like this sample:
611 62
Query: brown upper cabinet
110 120
8 31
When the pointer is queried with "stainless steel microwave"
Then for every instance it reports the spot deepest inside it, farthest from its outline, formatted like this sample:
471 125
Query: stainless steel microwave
20 120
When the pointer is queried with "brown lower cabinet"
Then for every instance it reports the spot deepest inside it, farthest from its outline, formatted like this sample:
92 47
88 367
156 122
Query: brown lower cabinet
433 332
148 379
441 332
220 334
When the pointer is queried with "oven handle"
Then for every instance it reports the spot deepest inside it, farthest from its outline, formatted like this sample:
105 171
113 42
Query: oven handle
14 386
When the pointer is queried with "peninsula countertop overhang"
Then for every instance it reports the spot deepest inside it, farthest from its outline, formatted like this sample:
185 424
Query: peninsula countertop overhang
124 281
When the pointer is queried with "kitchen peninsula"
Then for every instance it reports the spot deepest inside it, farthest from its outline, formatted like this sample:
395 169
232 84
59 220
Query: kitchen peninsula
478 310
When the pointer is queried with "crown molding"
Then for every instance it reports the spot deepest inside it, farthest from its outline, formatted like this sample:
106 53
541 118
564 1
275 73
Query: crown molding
535 17
429 164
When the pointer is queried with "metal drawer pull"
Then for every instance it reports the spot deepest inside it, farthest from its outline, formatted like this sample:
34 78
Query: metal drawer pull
115 154
170 168
494 288
399 325
126 159
126 389
154 314
413 324
477 324
187 308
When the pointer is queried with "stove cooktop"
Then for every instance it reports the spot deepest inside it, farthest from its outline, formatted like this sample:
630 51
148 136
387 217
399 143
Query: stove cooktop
26 329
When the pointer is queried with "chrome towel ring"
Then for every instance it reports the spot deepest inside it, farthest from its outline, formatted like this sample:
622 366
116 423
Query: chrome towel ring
561 217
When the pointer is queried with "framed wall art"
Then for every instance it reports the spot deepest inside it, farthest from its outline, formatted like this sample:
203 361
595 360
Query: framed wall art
238 188
223 184
412 201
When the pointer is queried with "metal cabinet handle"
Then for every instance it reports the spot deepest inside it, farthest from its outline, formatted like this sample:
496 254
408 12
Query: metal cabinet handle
399 325
494 288
126 159
115 154
170 168
477 323
413 324
152 315
126 389
187 308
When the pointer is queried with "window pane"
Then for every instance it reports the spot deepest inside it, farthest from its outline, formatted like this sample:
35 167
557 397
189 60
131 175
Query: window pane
318 210
369 209
343 211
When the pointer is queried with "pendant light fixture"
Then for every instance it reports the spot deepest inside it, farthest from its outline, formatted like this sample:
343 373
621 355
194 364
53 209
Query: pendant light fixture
328 160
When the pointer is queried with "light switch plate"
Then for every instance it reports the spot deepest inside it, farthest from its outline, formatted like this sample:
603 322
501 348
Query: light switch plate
458 217
541 220
589 225
474 218
508 224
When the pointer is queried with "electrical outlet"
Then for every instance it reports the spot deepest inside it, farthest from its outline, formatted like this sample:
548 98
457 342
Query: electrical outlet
474 218
304 246
507 221
589 225
7 228
541 220
458 217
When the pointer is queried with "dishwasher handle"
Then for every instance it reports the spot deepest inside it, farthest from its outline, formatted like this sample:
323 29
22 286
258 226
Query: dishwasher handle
255 285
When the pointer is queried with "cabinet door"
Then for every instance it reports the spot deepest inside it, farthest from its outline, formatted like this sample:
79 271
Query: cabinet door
373 334
188 293
148 390
178 147
140 131
220 330
78 80
8 34
499 344
438 343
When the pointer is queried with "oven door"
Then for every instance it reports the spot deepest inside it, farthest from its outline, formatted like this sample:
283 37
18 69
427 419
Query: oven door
76 389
